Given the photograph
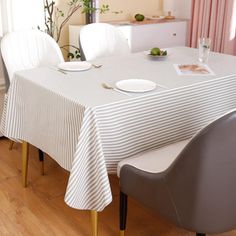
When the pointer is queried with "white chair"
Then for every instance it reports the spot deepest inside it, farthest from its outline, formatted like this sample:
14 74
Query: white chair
101 40
29 49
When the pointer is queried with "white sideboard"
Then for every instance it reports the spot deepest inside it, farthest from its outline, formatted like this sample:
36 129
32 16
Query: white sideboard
146 35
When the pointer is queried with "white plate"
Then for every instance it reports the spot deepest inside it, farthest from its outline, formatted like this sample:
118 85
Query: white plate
75 66
155 17
136 85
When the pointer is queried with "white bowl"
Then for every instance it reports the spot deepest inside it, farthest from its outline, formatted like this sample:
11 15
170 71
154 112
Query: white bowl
155 57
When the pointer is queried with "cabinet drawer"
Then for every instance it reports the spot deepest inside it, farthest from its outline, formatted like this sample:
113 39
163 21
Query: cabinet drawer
144 37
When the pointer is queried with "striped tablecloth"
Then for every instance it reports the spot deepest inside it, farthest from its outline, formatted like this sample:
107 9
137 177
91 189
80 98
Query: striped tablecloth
88 129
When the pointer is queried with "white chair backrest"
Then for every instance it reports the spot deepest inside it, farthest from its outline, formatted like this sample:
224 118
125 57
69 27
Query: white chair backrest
101 40
29 49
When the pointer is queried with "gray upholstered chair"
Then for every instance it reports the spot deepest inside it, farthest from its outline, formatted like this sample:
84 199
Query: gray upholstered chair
190 183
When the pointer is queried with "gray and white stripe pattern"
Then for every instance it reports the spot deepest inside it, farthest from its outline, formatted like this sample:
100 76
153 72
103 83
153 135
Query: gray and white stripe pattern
90 141
117 131
27 113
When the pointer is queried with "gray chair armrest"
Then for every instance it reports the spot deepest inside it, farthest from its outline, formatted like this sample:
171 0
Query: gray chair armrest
149 189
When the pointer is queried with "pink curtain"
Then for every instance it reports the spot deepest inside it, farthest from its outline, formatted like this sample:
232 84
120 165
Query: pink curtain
215 19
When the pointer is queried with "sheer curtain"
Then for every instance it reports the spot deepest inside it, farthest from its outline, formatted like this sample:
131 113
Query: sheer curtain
215 19
21 14
1 29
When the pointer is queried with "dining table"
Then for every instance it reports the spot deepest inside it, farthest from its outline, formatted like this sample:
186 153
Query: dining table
87 129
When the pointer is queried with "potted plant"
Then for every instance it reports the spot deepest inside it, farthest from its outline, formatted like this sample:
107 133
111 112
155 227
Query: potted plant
56 19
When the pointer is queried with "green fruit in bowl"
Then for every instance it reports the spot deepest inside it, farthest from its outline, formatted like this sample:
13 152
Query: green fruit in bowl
155 52
158 52
139 17
164 53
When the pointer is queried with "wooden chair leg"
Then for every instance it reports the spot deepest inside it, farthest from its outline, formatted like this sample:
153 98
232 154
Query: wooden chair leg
25 150
94 219
11 145
41 159
123 212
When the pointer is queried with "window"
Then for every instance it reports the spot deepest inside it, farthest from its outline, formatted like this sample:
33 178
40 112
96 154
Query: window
23 14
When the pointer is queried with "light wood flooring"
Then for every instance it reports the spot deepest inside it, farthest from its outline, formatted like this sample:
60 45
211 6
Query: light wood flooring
39 209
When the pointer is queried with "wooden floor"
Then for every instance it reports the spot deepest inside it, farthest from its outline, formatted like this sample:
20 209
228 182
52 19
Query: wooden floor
39 209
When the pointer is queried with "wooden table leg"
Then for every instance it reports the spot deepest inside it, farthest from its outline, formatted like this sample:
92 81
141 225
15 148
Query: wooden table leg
122 233
94 219
25 148
11 145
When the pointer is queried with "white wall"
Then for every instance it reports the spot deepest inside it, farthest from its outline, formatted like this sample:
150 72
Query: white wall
129 8
178 8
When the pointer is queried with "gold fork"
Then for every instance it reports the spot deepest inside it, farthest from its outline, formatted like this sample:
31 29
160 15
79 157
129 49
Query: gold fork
58 69
97 65
62 71
107 86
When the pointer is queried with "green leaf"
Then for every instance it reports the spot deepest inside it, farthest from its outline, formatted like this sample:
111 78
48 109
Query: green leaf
70 55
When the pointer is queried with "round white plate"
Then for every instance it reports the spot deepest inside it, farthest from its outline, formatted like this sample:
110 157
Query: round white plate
136 85
155 17
75 66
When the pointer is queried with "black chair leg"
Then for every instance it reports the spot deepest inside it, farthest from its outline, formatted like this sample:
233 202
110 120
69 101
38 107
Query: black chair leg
41 159
41 155
200 234
123 212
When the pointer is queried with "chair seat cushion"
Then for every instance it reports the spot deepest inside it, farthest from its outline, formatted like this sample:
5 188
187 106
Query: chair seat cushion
156 160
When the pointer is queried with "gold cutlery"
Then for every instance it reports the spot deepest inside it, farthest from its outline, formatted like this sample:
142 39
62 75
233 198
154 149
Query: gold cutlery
107 86
62 71
97 65
161 86
58 69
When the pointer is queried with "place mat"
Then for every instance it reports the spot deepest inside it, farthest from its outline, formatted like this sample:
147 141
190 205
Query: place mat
193 69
